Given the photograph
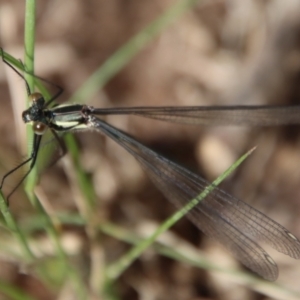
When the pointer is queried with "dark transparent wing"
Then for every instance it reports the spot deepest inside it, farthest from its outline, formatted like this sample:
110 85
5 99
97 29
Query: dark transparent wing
214 115
229 220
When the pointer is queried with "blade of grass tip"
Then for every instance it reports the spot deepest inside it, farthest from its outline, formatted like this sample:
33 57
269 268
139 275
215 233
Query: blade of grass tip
116 269
124 54
15 62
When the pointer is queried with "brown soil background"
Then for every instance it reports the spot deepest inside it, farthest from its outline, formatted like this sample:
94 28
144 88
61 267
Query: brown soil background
221 52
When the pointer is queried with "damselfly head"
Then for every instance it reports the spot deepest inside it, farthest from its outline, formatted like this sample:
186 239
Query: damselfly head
35 111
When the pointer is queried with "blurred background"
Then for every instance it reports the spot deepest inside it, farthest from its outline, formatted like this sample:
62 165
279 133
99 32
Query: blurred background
219 53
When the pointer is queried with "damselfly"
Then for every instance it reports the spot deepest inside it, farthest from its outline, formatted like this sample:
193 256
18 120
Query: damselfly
235 224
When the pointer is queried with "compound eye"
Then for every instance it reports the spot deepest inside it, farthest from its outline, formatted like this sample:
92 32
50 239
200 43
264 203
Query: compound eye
39 128
34 97
26 116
